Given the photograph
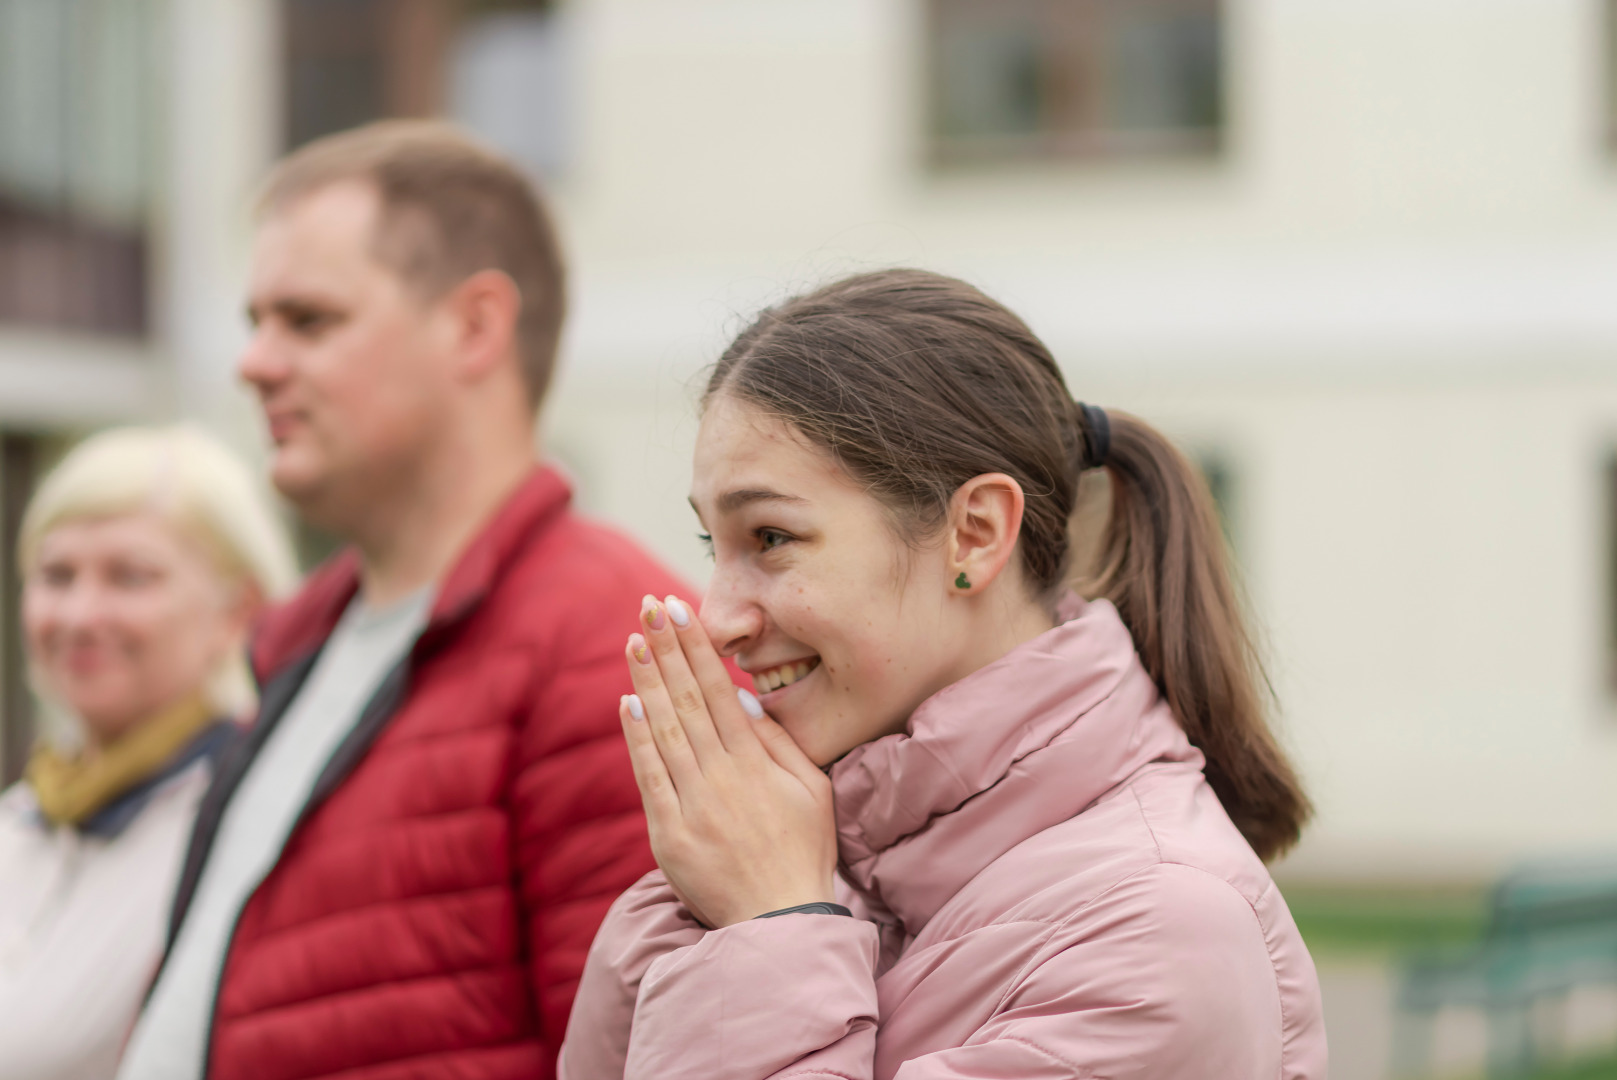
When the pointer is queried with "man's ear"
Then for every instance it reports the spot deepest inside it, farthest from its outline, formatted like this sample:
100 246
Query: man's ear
486 308
985 520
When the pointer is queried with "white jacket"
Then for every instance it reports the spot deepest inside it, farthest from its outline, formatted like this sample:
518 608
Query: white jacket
82 921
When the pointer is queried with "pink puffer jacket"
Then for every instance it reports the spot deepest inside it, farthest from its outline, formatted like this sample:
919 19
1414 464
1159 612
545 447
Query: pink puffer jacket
1045 887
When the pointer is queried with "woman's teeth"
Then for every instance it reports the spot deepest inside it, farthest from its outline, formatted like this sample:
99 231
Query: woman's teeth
785 675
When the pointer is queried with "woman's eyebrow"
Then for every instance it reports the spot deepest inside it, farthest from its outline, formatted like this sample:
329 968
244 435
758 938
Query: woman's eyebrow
731 501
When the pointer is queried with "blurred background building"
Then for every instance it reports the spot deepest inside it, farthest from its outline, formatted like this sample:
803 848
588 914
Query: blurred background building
1360 256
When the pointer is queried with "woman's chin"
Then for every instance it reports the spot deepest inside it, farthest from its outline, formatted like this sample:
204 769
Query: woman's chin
799 723
97 711
822 756
808 730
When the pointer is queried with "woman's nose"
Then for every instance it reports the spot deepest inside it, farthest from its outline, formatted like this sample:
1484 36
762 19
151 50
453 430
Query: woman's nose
731 618
81 604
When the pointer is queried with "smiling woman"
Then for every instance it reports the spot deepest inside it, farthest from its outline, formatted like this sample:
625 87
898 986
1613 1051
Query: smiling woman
972 824
144 555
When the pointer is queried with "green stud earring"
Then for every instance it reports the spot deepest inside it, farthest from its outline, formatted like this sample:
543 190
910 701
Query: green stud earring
961 582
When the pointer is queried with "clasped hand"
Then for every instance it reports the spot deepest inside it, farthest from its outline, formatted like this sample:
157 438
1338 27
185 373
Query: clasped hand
740 819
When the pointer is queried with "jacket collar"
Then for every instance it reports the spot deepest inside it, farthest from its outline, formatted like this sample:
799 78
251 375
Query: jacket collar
1009 751
300 626
111 820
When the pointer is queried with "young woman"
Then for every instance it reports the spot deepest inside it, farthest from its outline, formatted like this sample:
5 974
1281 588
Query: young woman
971 825
144 556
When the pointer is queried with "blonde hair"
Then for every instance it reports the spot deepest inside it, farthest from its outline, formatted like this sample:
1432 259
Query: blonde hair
191 480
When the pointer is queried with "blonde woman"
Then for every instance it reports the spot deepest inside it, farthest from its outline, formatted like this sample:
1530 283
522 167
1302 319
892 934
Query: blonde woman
145 554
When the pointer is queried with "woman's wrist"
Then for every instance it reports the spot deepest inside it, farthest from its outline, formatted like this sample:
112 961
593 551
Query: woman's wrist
819 907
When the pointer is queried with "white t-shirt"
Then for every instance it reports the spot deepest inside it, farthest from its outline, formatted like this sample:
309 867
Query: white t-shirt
82 919
171 1037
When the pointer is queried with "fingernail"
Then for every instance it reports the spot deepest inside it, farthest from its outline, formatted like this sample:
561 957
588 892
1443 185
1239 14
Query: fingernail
636 710
652 612
637 645
678 612
749 704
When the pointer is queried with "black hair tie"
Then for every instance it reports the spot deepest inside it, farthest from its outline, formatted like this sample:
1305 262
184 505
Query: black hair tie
1097 433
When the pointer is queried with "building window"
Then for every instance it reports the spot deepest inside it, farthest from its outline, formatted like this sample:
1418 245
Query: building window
498 67
19 468
510 80
1042 79
352 61
1220 477
1608 41
76 162
1609 596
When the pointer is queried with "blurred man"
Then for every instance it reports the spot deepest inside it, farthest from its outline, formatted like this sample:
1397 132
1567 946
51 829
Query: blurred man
401 872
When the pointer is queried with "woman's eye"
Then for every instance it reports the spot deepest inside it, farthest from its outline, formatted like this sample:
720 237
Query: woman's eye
771 538
707 542
133 577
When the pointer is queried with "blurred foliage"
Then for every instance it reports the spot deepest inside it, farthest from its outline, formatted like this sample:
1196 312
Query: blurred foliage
1593 1069
1377 922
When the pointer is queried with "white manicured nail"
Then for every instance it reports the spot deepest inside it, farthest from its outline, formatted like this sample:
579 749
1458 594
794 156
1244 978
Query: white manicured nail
636 709
678 612
749 704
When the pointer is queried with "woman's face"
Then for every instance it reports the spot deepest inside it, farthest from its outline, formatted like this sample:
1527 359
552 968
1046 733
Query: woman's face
125 616
842 626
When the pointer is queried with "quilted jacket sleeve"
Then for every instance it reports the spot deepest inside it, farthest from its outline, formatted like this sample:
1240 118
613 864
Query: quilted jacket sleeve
580 832
1162 980
793 995
646 924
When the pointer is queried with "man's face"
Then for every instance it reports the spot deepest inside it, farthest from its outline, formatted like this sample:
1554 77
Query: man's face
352 365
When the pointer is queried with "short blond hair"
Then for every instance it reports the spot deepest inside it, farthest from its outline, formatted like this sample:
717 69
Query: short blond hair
450 207
191 480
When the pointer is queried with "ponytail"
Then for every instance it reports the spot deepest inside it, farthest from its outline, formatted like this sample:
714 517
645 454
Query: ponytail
1162 563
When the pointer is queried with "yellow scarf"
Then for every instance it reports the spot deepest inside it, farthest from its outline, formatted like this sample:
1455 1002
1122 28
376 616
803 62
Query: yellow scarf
71 789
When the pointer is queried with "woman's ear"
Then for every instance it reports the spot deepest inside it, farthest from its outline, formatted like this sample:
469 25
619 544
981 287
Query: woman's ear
243 602
985 520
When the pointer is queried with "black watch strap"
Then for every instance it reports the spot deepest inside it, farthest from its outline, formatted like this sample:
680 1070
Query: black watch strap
818 908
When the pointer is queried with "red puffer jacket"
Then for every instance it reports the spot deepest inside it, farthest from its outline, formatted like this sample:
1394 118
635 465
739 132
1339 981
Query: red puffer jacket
431 911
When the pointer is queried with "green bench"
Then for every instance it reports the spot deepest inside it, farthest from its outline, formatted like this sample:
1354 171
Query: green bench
1551 927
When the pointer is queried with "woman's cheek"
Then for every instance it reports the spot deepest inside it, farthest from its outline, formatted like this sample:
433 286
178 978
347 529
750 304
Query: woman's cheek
42 630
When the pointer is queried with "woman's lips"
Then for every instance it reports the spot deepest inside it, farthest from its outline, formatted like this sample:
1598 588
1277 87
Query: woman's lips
783 675
83 661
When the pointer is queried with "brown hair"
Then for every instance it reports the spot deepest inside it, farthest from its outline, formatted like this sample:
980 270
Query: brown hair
916 383
449 208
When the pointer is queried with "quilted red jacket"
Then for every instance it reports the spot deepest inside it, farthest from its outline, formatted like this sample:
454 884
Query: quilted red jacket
431 911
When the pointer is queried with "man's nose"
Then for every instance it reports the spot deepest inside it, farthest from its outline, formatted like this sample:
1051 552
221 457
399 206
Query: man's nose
261 363
732 618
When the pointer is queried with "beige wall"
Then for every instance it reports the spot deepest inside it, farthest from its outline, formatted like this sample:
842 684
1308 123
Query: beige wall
1426 564
1389 306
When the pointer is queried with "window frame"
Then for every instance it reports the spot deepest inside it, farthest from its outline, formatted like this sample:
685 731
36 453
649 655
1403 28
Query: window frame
1088 139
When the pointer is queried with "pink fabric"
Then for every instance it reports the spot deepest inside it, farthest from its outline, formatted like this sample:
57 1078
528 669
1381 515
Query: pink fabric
1046 887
